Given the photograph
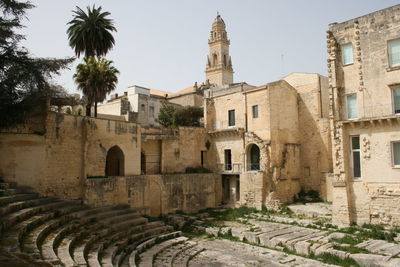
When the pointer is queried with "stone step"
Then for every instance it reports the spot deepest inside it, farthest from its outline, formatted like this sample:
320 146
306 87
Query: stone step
80 251
14 235
17 197
147 257
8 192
18 205
15 217
5 185
151 230
112 244
175 255
35 237
107 255
19 231
114 256
68 242
52 240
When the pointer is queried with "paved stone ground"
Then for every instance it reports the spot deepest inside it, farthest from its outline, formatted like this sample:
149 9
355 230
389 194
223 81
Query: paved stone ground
221 253
319 209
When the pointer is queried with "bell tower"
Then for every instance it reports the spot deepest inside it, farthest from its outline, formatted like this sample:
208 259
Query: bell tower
219 64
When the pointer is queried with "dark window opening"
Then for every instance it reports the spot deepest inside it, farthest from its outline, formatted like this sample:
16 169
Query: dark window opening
255 111
228 160
231 117
254 158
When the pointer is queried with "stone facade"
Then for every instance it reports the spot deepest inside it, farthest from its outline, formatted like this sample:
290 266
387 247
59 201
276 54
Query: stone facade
364 121
241 119
157 194
57 160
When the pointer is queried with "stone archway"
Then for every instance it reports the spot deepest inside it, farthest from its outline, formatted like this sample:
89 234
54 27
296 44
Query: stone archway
253 158
115 162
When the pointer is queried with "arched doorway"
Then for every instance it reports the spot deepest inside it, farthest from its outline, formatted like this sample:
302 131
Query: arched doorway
115 162
253 157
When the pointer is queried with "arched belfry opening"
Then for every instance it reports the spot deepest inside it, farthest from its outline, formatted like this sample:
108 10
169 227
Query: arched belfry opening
253 158
115 162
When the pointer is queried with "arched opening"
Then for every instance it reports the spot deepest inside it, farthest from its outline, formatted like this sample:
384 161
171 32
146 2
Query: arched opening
215 59
225 61
115 162
253 157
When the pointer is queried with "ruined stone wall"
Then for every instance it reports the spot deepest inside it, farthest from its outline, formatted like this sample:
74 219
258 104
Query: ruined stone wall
185 151
72 147
314 130
158 194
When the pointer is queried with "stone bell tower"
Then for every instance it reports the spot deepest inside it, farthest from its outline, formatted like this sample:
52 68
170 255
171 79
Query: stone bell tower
219 64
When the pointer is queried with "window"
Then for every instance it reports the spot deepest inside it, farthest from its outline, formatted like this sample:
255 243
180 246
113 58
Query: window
151 111
228 160
355 156
143 107
202 157
231 117
396 153
352 106
254 158
347 51
394 53
255 111
396 100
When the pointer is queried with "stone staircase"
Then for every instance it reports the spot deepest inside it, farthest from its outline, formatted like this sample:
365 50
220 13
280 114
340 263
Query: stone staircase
46 231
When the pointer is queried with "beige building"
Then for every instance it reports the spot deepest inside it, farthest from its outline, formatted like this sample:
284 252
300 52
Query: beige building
364 81
258 142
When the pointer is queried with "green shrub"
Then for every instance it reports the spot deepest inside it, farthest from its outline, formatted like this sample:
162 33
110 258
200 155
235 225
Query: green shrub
199 169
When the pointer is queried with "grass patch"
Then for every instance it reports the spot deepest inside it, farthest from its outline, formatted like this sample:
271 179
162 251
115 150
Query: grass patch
369 231
335 260
351 249
347 239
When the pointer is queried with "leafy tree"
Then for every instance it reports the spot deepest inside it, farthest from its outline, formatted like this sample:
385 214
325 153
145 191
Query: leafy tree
90 33
172 116
188 116
166 115
96 79
24 80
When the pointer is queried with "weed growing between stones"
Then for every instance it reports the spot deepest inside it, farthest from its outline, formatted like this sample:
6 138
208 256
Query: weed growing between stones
369 231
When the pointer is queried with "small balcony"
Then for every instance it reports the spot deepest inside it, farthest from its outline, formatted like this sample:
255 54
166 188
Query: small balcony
233 168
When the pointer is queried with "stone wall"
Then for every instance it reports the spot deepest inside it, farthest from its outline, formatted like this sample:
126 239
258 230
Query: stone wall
371 198
314 130
185 150
56 162
158 194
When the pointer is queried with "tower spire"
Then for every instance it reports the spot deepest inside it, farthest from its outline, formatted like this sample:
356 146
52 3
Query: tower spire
219 64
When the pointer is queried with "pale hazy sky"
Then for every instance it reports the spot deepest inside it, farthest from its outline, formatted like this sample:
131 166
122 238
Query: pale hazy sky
162 44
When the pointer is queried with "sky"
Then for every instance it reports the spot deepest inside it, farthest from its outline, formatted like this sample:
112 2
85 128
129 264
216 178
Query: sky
162 44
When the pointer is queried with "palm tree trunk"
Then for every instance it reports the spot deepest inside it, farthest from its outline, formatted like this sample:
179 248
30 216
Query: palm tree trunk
95 109
88 108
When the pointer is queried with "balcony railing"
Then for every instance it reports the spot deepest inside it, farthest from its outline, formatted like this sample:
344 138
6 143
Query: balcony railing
229 168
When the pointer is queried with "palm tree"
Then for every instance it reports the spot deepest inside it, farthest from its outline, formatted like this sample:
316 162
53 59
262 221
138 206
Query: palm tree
96 79
90 33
